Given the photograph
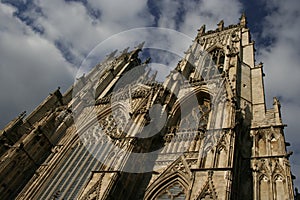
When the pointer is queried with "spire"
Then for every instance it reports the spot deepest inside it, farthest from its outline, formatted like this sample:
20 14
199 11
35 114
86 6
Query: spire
125 51
221 25
243 20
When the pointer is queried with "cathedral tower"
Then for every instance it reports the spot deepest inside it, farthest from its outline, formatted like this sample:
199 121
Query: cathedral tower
203 133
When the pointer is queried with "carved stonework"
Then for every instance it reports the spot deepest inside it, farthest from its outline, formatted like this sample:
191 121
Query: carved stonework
207 191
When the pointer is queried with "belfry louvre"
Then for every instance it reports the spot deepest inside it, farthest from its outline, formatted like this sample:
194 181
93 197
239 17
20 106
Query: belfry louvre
213 137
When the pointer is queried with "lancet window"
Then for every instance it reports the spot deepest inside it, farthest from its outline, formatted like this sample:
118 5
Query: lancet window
213 64
197 118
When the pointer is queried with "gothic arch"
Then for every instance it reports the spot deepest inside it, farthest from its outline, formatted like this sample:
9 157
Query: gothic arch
208 157
279 183
101 115
177 173
264 186
261 143
221 156
197 96
212 63
208 190
278 169
215 46
83 154
167 182
276 142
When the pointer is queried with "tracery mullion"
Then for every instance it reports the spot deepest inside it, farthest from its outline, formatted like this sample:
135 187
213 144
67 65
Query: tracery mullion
58 174
82 178
78 169
75 170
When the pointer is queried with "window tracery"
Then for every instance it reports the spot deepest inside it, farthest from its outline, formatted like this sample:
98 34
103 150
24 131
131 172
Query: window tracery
114 124
261 143
173 192
213 64
198 115
263 187
279 186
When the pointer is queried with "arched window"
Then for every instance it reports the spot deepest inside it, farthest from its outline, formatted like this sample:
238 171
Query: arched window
262 149
174 192
279 187
207 197
264 187
198 115
221 157
213 64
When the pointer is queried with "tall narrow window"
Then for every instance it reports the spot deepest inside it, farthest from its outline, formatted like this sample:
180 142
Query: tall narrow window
261 145
264 187
198 115
279 186
213 64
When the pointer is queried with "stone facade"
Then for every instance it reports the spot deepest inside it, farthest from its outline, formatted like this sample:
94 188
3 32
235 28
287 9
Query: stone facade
217 139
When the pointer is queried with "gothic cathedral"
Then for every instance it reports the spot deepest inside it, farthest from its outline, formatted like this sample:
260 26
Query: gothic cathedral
202 133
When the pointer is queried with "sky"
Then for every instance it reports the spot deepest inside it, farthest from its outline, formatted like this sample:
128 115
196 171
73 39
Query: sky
43 43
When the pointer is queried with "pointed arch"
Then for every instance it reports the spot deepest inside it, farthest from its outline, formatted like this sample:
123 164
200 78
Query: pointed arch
221 156
261 143
177 173
278 169
173 192
199 97
208 190
264 187
276 141
163 185
215 46
279 186
212 63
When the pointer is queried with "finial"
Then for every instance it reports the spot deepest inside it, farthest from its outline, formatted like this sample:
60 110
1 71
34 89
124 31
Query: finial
276 101
221 25
22 115
201 31
140 46
243 20
112 54
147 60
125 50
153 77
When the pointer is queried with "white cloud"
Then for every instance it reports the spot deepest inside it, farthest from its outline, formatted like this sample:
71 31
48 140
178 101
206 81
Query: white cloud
188 16
31 63
71 23
30 67
132 13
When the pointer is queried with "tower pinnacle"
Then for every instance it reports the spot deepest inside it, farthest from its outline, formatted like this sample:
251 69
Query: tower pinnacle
243 20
